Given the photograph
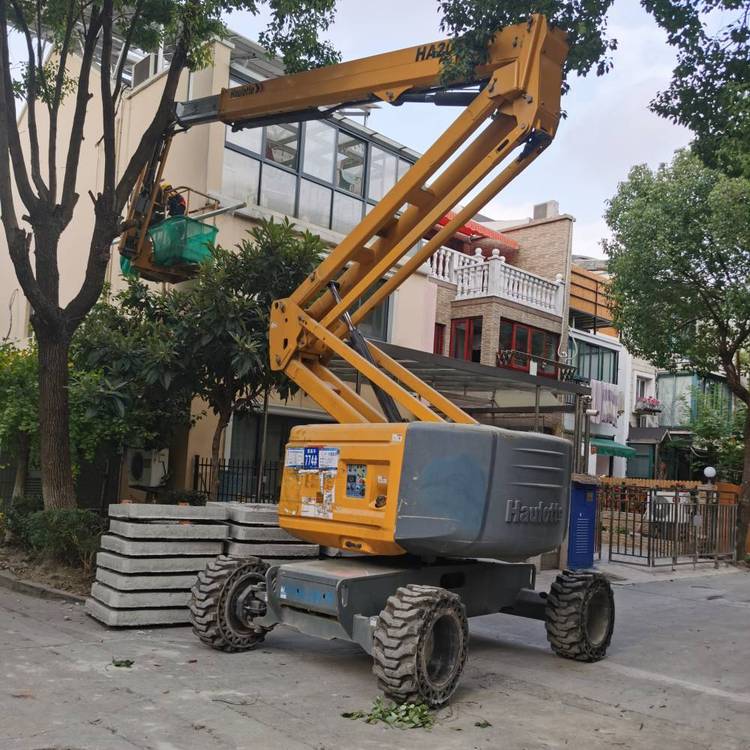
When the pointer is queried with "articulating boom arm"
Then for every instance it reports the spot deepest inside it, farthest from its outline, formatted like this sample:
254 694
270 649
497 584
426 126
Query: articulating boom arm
519 102
515 95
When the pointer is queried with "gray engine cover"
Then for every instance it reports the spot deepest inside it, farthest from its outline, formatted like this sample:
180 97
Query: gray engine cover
482 491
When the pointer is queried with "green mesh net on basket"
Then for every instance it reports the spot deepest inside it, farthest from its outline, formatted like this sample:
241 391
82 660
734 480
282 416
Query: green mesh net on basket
181 240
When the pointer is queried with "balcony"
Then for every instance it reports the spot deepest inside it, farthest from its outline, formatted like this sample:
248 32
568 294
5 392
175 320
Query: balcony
492 277
645 405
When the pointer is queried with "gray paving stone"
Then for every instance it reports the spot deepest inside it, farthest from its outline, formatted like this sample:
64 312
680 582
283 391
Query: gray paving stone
136 548
125 618
244 533
170 531
138 599
248 549
210 512
123 564
144 581
263 514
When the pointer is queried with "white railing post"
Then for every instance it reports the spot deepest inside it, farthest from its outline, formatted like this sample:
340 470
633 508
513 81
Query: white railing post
495 274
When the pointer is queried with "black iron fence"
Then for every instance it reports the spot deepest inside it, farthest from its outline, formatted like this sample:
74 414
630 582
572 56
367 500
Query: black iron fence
654 527
239 480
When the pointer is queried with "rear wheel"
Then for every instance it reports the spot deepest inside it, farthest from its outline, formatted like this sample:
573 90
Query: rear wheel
420 644
580 616
223 606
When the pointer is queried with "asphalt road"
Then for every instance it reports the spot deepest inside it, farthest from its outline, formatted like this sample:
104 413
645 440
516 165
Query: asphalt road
677 676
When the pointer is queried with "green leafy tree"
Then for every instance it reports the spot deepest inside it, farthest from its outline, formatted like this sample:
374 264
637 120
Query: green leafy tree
19 414
39 167
709 91
680 260
221 323
718 438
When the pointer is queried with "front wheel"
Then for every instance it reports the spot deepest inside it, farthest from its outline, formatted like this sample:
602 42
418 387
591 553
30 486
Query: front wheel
580 616
223 604
420 644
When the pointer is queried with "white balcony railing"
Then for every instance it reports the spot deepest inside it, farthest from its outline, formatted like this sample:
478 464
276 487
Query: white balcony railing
493 277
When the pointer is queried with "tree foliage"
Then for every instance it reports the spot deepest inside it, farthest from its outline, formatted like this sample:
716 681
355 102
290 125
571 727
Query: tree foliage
718 438
710 87
680 264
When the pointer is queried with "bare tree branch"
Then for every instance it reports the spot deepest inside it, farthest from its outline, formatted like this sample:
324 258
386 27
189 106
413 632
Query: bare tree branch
108 108
69 196
31 96
13 138
155 130
54 107
126 48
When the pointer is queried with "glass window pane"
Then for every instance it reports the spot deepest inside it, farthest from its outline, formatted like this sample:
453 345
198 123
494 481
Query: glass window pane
521 345
375 324
277 190
314 203
458 339
347 213
350 163
249 138
382 173
282 144
240 176
506 335
320 141
476 340
537 343
403 167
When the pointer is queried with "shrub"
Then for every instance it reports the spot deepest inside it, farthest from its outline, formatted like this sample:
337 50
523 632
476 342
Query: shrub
68 536
19 509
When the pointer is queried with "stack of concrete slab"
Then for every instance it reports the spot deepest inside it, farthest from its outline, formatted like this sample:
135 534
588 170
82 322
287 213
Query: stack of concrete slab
149 561
254 532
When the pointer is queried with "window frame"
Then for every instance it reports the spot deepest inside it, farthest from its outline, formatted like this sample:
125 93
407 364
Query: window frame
530 331
438 339
470 321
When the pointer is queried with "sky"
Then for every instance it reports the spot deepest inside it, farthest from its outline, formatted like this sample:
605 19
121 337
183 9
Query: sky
609 126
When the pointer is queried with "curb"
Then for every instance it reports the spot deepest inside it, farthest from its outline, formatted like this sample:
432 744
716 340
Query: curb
9 581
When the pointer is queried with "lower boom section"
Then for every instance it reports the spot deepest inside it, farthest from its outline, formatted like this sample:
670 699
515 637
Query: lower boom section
425 489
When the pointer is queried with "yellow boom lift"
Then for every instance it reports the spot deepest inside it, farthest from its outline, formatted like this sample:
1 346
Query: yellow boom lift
431 513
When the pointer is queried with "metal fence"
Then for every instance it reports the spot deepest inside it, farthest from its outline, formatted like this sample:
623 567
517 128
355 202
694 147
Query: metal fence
654 527
238 480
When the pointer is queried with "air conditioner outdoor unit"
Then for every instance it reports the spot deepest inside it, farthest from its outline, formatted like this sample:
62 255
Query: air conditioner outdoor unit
147 468
144 69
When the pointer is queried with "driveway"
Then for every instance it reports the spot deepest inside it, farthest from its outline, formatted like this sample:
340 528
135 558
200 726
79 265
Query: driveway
677 676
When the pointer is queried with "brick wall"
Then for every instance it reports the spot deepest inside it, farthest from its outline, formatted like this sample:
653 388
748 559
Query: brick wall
545 246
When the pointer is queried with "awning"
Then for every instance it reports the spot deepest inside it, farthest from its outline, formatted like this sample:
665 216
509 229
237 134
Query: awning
611 448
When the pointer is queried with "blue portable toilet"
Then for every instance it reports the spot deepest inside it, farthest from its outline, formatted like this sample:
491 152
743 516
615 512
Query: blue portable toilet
582 530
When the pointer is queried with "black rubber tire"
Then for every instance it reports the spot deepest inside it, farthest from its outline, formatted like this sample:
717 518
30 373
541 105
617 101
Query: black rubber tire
212 608
420 645
580 616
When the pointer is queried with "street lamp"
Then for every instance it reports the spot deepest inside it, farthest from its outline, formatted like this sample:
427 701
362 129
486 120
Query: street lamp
709 472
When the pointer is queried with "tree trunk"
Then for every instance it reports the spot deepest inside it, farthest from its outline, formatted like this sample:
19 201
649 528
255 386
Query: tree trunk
743 506
224 417
54 439
22 467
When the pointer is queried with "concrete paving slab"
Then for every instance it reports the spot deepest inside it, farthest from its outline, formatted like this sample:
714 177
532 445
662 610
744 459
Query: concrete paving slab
175 531
244 533
264 514
128 618
137 599
144 581
136 548
249 549
210 512
131 565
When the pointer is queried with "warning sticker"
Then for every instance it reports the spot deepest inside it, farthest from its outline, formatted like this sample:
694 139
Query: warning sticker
312 458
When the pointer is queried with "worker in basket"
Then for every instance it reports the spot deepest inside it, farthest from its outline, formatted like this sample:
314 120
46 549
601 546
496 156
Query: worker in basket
168 203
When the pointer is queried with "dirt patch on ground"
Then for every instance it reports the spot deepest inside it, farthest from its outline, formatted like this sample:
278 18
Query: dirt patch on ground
56 575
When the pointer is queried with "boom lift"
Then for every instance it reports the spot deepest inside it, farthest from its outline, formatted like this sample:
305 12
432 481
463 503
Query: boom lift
433 512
